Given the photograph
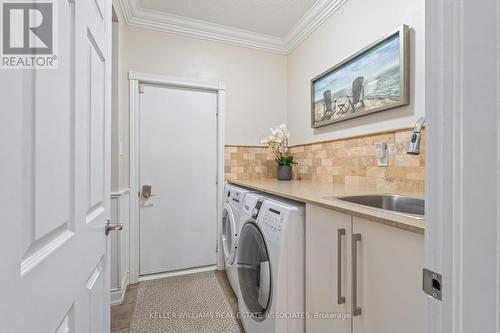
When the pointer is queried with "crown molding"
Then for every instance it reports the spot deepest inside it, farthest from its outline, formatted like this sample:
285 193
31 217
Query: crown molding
314 17
151 19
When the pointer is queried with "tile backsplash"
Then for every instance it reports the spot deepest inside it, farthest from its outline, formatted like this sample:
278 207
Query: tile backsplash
344 161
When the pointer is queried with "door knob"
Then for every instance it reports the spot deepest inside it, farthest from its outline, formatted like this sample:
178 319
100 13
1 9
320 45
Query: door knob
112 227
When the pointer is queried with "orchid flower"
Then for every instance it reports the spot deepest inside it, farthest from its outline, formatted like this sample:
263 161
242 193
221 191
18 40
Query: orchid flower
278 142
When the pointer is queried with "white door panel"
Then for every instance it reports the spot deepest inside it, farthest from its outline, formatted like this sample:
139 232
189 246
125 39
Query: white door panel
54 134
178 157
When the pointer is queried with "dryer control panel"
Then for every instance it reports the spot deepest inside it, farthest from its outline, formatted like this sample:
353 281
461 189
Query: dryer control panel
250 204
256 210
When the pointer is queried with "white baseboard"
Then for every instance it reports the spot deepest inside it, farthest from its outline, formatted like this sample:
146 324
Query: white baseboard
117 295
177 273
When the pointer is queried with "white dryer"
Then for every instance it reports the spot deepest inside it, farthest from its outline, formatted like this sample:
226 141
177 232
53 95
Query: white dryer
271 266
230 229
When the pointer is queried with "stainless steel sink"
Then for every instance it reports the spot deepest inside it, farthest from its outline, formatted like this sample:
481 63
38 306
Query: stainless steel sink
414 207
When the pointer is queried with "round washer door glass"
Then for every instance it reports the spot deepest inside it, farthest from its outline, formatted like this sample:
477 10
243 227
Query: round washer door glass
228 234
254 272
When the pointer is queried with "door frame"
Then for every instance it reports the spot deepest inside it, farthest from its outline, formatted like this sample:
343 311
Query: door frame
462 233
135 79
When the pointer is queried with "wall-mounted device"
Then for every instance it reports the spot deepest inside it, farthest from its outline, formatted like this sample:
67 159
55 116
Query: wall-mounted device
381 153
414 146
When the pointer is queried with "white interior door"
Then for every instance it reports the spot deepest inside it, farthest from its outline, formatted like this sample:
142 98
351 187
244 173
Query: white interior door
178 158
462 220
54 193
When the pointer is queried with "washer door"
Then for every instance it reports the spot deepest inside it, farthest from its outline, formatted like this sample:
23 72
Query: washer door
254 270
228 234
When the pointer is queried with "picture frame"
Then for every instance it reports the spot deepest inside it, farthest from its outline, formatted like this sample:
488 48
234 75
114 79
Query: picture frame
374 79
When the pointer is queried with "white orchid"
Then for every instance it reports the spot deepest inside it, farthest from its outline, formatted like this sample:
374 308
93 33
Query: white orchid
278 142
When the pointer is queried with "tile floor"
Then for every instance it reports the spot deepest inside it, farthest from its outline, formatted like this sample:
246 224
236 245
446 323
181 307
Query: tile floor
121 314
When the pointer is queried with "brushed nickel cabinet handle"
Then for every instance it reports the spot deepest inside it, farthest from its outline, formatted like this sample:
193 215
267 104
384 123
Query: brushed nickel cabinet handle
340 298
356 310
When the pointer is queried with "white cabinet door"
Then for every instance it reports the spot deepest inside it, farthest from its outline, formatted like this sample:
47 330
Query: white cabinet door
327 296
389 279
54 134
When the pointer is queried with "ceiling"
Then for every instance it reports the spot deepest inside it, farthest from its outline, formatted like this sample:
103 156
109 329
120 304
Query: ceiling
270 25
270 17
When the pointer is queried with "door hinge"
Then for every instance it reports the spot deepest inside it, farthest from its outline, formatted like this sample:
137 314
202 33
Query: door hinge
141 88
432 284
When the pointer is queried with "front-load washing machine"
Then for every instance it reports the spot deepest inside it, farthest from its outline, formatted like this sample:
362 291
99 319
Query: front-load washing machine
230 229
271 266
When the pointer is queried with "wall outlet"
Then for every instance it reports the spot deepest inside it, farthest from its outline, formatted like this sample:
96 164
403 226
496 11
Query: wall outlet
381 153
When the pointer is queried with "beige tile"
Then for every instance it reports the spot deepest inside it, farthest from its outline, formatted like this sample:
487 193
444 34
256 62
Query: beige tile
396 148
385 184
326 162
406 160
387 138
237 169
340 179
320 154
349 161
357 142
306 162
403 136
317 147
337 171
415 173
249 156
354 171
335 144
352 180
361 151
323 178
412 186
376 171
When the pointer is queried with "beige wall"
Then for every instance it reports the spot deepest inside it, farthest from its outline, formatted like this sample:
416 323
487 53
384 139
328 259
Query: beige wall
356 24
255 80
264 89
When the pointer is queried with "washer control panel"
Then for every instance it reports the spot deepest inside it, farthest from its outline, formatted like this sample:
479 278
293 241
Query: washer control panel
272 220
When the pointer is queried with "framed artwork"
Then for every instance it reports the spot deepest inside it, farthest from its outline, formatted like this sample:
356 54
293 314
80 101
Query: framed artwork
374 79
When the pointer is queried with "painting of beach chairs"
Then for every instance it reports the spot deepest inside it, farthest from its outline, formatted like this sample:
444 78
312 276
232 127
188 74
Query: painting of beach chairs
372 80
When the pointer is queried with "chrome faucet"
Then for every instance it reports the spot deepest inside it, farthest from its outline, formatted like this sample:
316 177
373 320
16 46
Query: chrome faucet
414 146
